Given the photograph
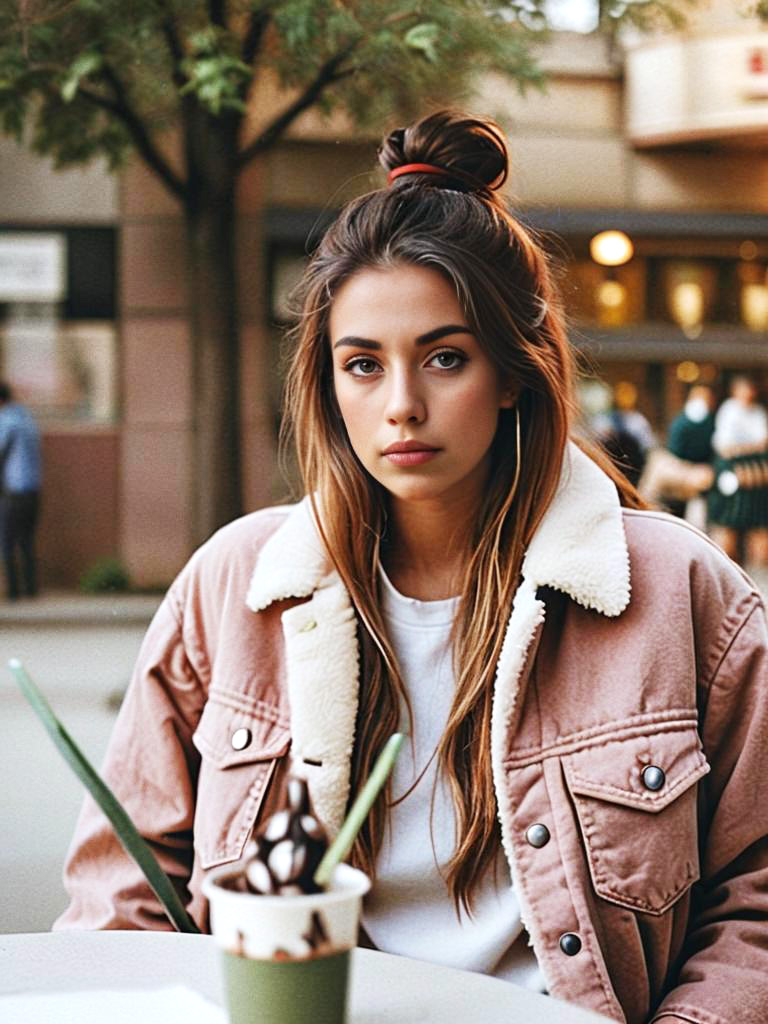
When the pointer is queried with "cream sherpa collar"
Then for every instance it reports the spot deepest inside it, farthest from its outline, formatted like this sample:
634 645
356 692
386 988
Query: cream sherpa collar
579 547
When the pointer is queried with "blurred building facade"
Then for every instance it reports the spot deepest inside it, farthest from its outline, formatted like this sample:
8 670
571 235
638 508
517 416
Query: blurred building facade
665 142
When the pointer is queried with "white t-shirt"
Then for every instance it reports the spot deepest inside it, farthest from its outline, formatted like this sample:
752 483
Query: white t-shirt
738 425
410 910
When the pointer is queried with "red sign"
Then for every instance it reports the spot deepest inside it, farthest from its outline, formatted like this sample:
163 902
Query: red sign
758 62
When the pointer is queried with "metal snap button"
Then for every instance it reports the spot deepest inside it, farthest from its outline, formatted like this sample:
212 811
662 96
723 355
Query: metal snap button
653 777
537 835
570 943
240 739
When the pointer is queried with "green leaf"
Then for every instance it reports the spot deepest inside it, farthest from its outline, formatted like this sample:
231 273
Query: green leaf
423 38
125 830
83 65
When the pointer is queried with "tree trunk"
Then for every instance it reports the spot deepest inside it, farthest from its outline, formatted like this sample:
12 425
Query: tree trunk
210 217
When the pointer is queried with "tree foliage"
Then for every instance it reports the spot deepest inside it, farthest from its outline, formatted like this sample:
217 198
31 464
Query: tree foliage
645 15
96 77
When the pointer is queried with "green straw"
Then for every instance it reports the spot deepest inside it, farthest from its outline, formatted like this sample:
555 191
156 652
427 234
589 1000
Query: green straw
358 812
134 844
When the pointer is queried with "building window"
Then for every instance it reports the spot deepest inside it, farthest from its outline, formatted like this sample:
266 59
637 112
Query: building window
58 337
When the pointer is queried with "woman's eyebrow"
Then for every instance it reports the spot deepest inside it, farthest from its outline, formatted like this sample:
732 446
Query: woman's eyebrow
352 341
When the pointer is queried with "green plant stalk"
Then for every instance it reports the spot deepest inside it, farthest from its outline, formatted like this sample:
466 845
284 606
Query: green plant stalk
125 830
358 812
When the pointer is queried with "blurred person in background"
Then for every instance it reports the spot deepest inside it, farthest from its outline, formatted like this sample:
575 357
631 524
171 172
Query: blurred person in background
738 502
690 432
624 432
20 477
690 439
678 476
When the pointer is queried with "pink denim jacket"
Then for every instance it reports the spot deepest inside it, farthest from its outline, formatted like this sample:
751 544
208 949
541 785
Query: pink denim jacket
628 727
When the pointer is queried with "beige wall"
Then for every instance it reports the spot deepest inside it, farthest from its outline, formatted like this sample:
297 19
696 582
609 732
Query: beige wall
155 381
80 508
31 190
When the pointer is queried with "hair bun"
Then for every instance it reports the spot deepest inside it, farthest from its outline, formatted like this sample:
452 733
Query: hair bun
470 150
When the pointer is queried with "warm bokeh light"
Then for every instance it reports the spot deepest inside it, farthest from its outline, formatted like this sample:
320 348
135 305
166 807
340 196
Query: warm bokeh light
747 250
754 306
688 372
611 294
611 248
625 395
687 306
612 304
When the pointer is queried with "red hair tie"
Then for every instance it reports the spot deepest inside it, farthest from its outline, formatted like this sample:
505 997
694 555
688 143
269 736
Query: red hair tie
415 169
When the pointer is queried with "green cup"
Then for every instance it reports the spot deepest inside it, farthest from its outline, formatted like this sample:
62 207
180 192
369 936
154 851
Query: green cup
286 958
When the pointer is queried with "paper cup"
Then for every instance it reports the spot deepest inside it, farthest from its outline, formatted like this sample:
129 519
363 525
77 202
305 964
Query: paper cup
286 958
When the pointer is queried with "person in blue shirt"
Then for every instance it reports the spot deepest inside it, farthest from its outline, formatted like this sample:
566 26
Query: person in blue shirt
20 478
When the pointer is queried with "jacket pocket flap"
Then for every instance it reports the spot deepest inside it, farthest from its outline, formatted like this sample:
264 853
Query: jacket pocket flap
232 732
645 772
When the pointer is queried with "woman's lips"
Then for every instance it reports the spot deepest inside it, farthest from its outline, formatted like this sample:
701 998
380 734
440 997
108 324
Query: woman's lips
409 453
414 458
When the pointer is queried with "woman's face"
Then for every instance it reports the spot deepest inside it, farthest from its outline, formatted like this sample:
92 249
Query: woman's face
419 397
743 390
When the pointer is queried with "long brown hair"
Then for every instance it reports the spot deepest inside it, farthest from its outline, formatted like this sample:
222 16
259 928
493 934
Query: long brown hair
454 223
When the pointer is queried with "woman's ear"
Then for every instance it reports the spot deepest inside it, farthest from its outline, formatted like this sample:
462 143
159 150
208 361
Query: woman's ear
508 396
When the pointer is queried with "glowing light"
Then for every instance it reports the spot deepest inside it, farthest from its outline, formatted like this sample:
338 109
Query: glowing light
687 306
611 294
611 248
754 306
688 371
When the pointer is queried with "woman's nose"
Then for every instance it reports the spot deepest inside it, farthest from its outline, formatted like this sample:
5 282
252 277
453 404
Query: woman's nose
405 403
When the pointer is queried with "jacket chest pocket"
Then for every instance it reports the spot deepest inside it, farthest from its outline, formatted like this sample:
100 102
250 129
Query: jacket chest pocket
637 809
239 745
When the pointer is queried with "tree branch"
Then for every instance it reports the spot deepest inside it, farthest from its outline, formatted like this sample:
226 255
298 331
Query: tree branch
257 26
120 107
175 49
217 12
328 74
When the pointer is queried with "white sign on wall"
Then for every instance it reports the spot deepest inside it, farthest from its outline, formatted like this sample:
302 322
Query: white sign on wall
32 267
703 86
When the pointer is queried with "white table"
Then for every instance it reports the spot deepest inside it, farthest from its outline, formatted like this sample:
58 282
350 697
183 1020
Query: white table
385 989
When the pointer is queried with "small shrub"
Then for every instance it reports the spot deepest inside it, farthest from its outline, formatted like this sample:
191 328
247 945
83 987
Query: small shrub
106 575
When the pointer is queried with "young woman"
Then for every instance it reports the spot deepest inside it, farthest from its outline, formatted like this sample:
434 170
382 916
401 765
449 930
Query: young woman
583 804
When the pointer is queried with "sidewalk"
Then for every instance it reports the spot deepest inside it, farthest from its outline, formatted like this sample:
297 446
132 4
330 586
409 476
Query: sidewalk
60 606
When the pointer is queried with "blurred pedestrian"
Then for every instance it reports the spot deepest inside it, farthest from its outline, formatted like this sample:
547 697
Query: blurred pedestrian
624 432
738 503
20 478
690 439
690 432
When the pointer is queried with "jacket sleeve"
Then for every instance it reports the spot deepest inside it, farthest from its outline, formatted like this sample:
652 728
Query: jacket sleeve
723 977
151 765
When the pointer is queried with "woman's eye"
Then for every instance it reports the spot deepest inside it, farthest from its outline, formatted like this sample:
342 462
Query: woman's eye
448 360
362 367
